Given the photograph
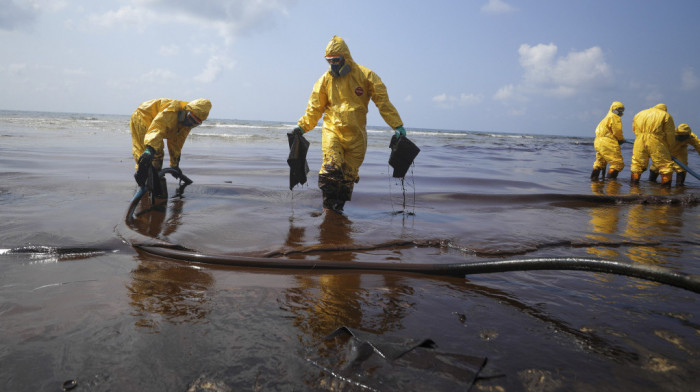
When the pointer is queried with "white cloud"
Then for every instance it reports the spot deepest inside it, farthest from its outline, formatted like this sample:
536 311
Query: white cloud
440 98
128 17
17 69
408 98
689 81
654 98
505 93
159 74
469 99
169 50
228 18
450 101
214 66
546 74
497 7
225 19
74 72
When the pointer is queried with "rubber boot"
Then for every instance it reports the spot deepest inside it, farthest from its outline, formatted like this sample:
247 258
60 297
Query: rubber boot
594 174
666 179
612 173
331 202
161 191
635 178
680 178
333 205
653 175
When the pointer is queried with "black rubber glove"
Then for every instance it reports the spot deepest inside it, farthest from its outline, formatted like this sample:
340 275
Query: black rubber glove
147 156
144 162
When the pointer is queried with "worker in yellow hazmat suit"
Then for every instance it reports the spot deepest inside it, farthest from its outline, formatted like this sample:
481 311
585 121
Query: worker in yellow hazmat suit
608 137
679 150
159 119
342 96
655 134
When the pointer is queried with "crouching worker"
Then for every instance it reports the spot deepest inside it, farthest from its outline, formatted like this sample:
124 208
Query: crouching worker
608 137
341 95
679 150
160 119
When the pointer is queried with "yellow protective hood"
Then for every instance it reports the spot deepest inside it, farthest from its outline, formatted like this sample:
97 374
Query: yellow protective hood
338 47
683 129
200 108
616 105
662 106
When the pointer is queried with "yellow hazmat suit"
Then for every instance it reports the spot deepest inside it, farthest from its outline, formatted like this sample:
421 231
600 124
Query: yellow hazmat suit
342 99
655 133
156 120
679 150
608 135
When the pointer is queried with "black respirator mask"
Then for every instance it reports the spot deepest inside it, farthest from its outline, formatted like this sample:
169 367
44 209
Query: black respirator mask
188 119
338 66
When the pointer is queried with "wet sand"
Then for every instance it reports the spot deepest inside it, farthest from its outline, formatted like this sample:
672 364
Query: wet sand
79 303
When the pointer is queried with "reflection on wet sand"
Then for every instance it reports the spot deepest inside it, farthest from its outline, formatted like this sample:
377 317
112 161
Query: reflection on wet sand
336 229
164 290
644 223
151 219
168 291
604 219
322 303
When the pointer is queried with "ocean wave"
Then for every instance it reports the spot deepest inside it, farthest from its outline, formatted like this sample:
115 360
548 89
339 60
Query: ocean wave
260 126
233 136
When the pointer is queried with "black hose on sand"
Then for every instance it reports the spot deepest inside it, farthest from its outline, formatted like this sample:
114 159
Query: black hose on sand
647 272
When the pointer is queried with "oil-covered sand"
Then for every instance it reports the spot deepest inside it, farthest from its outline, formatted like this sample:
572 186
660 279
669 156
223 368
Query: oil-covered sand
78 302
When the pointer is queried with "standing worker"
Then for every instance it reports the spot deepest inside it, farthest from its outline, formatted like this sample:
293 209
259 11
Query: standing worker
608 137
679 150
655 134
160 119
342 96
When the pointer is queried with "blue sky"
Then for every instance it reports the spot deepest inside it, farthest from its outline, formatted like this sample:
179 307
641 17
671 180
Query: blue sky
538 66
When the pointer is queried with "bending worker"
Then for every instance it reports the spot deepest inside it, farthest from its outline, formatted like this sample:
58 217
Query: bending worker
679 150
655 132
160 119
341 96
608 137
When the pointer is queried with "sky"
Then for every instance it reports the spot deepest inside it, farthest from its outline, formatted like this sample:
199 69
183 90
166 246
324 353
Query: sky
546 67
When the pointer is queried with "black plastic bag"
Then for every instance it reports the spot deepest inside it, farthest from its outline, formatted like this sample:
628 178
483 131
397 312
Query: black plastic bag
403 152
298 167
380 362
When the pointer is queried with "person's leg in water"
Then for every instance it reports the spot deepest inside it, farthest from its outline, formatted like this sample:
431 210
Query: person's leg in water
336 190
340 169
160 188
680 178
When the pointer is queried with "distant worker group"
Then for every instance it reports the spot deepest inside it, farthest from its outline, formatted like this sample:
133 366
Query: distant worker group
657 139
